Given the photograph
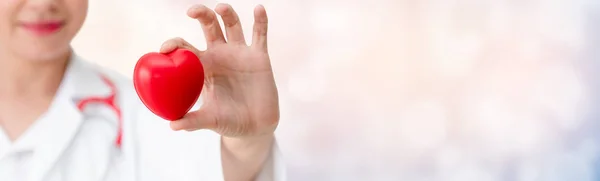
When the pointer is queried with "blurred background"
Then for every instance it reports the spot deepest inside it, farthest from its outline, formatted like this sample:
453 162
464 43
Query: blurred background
419 90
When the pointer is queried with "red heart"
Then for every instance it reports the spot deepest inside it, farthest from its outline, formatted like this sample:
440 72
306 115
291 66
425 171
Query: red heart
169 84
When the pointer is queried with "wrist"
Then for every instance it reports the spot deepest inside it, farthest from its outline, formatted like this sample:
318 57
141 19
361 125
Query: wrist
248 144
243 157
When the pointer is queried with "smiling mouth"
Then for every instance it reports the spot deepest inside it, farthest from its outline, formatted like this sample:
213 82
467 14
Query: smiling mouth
43 27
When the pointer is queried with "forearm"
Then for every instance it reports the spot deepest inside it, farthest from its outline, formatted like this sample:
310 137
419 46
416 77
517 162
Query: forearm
243 158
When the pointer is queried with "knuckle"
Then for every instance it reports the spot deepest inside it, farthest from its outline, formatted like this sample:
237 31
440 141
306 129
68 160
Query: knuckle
261 30
230 21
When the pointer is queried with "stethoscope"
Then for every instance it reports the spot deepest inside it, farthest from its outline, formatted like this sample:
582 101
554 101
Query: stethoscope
110 102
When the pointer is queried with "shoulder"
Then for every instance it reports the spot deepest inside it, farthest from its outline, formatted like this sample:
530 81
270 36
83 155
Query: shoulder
126 95
123 83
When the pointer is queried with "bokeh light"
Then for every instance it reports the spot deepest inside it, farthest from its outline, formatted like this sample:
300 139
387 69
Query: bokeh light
465 90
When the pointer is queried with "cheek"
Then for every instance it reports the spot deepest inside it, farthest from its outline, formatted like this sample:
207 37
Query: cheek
77 9
77 14
7 7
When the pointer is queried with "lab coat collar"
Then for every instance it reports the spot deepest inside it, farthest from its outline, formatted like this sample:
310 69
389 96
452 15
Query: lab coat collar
80 81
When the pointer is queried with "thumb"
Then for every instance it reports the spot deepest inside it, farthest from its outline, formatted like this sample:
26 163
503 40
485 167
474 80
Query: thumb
200 119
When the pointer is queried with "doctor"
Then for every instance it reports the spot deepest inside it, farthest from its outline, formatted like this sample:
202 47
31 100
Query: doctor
63 118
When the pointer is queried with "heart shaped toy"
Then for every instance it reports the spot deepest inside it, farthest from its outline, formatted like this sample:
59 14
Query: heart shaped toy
169 84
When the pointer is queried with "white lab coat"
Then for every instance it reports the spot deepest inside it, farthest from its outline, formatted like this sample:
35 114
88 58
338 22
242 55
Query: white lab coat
67 144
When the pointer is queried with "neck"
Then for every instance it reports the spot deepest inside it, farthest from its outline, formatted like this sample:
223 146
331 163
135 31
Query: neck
25 78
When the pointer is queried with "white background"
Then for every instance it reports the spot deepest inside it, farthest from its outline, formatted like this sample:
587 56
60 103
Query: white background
414 90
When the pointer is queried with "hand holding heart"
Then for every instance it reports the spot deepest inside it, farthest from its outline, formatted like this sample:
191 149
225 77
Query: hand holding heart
239 95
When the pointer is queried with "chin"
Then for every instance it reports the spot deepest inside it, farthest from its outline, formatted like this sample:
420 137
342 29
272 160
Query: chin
44 54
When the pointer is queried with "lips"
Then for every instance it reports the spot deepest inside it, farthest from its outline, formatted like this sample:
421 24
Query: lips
43 27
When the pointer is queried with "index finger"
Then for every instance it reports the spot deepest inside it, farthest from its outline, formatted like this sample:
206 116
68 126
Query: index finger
210 24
